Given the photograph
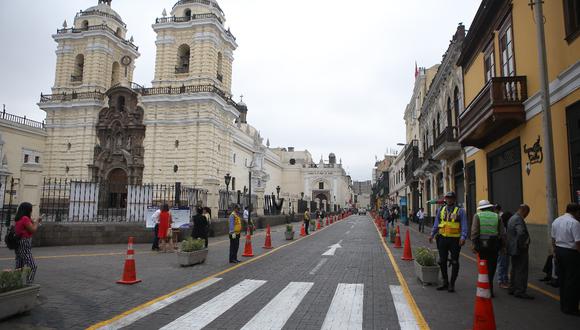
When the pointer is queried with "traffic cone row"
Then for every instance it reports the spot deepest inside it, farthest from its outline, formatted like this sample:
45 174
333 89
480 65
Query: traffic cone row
302 231
129 271
268 243
318 227
248 252
484 318
407 254
398 239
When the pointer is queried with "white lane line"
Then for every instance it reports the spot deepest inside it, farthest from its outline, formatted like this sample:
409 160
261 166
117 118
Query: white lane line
346 309
136 316
348 232
317 268
332 249
211 310
280 309
407 320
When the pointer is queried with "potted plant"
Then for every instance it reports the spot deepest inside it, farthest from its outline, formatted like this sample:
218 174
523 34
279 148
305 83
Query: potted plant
191 252
312 225
426 267
392 235
15 296
289 233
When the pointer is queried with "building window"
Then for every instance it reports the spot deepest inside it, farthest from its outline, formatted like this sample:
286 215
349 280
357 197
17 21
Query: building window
187 14
115 73
233 183
85 25
37 159
234 158
175 168
176 144
121 103
506 48
183 56
456 105
572 19
79 69
489 63
321 185
26 158
292 161
220 60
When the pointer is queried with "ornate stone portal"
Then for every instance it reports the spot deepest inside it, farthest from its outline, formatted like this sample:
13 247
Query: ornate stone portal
119 155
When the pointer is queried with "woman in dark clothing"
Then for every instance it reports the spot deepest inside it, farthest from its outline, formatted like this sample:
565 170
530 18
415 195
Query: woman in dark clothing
200 226
503 260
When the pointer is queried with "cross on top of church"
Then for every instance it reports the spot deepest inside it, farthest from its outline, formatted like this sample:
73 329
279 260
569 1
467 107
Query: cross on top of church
108 2
242 98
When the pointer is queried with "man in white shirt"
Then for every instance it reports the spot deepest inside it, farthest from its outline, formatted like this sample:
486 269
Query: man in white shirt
155 220
566 240
421 219
246 217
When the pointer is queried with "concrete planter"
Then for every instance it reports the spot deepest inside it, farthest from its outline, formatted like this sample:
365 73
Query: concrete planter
427 274
18 301
289 235
186 259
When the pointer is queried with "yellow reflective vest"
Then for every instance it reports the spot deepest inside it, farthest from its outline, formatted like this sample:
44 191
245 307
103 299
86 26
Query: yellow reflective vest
237 223
449 225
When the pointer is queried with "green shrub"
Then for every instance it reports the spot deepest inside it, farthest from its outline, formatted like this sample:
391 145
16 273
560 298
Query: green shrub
289 228
190 245
425 257
13 279
313 222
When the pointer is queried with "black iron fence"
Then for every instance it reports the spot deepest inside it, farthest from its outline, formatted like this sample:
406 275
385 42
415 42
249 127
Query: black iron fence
64 200
7 204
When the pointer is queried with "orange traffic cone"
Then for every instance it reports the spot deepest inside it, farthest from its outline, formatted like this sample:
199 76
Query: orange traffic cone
302 231
129 272
268 243
248 252
407 254
484 318
327 221
398 239
318 227
384 231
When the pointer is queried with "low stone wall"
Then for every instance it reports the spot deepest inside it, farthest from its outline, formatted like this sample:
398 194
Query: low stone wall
66 234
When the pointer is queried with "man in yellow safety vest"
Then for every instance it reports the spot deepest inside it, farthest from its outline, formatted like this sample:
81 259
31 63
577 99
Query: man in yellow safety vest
235 229
450 232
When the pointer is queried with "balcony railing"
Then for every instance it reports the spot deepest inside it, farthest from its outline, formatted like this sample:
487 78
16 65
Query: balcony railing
205 2
185 90
100 13
496 110
21 120
174 19
102 27
63 97
449 134
181 70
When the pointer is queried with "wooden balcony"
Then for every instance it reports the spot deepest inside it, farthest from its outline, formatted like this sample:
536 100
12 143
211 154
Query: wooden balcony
447 144
496 110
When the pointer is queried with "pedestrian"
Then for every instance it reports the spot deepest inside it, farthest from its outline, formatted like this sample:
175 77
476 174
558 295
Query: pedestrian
246 217
235 230
25 228
385 215
518 247
566 240
503 260
200 227
306 222
165 233
450 232
421 220
488 237
155 220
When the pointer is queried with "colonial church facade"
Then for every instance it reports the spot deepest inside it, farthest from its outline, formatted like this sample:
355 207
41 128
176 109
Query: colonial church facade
185 128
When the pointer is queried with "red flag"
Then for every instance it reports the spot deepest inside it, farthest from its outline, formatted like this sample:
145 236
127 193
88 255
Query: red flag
416 70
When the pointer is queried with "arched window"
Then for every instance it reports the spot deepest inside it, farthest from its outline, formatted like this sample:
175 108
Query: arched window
119 32
183 55
115 73
121 103
438 123
449 117
85 25
79 68
187 14
456 105
434 132
220 61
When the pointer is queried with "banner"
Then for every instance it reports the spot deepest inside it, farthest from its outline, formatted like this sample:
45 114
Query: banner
180 216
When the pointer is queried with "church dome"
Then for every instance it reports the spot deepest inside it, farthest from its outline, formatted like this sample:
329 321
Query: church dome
188 7
103 9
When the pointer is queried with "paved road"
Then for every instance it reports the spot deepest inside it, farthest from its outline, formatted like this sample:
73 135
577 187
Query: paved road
338 278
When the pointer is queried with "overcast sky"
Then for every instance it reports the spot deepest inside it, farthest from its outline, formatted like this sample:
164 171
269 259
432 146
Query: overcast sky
323 75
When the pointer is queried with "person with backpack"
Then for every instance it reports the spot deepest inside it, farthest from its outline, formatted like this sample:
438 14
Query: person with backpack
24 229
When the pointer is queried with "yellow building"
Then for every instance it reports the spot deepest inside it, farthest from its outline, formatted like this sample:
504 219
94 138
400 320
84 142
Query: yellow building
501 125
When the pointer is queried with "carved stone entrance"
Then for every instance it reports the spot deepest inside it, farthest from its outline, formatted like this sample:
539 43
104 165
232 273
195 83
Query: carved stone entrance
322 197
119 154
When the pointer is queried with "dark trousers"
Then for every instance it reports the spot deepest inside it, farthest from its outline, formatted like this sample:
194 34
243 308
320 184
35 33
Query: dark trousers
234 247
491 257
446 245
155 238
519 273
569 275
421 225
306 225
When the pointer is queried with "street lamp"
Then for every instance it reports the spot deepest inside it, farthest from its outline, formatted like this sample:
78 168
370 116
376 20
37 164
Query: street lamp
302 196
278 191
228 179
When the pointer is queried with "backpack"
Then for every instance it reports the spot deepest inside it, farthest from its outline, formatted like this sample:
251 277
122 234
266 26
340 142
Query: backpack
11 239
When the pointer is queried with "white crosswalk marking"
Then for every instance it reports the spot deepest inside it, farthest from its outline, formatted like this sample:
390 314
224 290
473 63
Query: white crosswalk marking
136 316
280 309
406 318
346 308
211 310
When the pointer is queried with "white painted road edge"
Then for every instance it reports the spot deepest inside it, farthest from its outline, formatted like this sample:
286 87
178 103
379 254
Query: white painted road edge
211 310
406 318
279 310
137 315
346 308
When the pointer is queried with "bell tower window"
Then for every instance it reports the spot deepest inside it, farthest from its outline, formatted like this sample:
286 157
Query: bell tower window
119 33
183 55
220 61
187 14
79 68
115 74
85 25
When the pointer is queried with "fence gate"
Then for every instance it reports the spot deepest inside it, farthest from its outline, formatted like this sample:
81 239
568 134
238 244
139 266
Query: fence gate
83 201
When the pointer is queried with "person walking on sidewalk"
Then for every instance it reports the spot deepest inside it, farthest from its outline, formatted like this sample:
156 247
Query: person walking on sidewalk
566 240
450 231
488 237
25 228
503 260
306 221
421 220
200 227
235 226
155 220
518 246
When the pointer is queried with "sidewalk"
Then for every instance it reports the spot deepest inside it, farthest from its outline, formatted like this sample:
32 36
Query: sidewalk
510 313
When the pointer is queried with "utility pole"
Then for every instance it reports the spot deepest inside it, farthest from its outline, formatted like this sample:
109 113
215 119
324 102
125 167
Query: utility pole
549 164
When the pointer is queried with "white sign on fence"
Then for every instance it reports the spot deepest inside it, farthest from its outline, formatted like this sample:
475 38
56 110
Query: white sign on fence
83 201
138 199
179 215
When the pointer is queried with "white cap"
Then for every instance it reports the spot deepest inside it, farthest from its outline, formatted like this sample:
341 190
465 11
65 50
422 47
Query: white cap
484 204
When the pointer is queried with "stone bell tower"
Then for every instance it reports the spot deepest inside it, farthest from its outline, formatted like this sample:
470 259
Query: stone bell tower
92 56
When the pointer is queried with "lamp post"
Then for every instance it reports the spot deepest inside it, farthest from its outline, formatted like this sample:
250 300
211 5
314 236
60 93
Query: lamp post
278 191
227 180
